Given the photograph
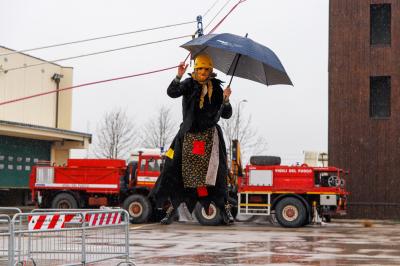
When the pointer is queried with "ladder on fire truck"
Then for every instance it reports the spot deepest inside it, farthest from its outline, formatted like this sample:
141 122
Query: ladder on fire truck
245 206
249 208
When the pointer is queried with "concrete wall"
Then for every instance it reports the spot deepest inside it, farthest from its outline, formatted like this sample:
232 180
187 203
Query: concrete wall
29 81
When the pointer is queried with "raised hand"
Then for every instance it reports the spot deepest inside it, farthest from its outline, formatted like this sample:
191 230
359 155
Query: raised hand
182 69
227 93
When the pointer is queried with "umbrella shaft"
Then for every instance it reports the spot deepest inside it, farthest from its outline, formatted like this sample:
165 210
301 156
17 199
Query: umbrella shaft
234 69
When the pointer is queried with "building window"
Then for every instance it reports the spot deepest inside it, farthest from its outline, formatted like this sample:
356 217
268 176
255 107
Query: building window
379 100
381 16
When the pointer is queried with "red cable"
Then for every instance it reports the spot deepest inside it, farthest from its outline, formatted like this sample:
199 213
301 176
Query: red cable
230 11
119 78
87 84
220 22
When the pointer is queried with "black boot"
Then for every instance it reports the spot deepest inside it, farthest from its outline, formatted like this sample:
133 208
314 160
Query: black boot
227 216
170 216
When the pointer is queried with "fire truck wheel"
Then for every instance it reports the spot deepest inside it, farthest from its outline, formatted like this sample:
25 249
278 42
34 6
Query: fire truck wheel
138 207
211 217
64 201
265 160
290 212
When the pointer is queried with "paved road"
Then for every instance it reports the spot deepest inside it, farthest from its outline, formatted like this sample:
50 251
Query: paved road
260 243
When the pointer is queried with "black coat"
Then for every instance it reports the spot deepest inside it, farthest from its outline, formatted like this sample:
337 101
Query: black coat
194 118
170 184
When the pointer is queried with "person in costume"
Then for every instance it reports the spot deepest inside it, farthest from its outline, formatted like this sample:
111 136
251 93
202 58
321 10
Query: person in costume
195 168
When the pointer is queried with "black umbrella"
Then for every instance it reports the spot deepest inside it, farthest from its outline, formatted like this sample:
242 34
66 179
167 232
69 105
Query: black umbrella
240 56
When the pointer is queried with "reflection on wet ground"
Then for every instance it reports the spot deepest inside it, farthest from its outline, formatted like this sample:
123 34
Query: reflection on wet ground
260 243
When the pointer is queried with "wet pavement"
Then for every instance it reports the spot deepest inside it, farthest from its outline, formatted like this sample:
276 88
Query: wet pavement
342 242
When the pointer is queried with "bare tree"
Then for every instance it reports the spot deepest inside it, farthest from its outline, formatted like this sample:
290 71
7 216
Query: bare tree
160 129
239 127
115 135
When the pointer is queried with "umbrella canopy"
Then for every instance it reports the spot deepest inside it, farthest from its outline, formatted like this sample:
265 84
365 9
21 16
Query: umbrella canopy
240 56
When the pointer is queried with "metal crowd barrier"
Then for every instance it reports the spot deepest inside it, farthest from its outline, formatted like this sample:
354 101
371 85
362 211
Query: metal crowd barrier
6 213
71 237
5 223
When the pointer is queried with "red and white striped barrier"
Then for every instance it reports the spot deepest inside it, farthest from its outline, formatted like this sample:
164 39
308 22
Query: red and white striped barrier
58 221
49 222
97 219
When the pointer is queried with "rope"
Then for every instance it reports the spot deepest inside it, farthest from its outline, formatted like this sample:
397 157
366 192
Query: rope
230 11
97 53
87 84
114 79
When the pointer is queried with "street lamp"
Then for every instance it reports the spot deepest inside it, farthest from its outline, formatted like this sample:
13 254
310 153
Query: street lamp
237 118
57 78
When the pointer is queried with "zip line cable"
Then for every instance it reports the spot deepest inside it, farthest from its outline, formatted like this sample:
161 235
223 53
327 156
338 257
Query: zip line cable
223 19
206 13
117 78
107 36
186 58
97 53
97 38
219 23
219 11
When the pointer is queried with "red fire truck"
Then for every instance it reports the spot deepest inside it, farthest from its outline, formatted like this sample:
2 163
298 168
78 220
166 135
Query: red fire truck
294 195
83 183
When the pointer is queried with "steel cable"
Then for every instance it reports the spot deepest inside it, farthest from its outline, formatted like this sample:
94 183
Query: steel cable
216 15
108 36
97 53
118 78
97 38
213 5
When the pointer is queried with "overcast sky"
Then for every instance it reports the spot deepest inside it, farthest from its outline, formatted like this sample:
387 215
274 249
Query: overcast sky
292 119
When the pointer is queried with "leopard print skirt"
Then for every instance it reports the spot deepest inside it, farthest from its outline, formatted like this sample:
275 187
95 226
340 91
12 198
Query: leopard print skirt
200 158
